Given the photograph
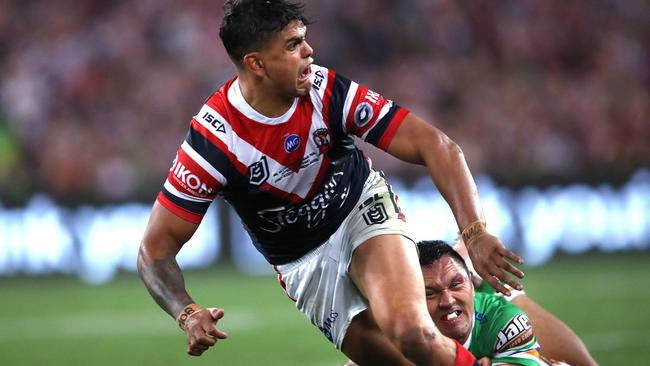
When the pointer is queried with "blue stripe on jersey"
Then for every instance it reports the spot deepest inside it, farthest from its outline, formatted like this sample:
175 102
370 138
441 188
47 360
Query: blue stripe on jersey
211 153
192 206
377 131
340 89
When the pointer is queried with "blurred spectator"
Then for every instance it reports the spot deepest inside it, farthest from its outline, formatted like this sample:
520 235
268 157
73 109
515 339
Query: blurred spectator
95 95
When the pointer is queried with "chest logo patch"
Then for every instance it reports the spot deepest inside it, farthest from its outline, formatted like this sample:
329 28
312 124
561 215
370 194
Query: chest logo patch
291 143
322 139
258 172
363 114
516 332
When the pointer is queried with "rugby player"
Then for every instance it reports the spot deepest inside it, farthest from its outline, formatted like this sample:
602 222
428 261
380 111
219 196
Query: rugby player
276 142
556 339
493 329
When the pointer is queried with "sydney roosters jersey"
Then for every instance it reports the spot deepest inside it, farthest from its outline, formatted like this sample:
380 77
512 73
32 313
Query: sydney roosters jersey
292 179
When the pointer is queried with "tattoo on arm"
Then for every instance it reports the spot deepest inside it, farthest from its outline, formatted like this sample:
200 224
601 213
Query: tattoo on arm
164 281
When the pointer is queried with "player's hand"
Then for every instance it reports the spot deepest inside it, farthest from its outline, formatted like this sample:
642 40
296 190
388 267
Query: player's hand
490 259
201 330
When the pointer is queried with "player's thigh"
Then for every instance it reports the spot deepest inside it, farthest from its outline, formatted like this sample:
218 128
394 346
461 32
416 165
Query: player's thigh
386 269
366 344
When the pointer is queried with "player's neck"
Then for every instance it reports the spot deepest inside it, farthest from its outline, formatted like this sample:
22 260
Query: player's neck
263 99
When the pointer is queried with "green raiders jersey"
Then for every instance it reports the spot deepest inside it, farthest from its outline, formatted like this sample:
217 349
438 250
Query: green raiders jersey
501 331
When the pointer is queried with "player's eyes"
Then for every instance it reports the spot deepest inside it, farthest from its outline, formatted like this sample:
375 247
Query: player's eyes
432 294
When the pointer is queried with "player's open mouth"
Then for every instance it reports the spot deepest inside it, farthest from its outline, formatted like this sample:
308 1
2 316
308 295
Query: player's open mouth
452 315
304 75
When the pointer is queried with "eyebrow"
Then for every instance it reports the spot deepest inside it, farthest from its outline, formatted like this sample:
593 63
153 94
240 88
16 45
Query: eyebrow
457 277
294 39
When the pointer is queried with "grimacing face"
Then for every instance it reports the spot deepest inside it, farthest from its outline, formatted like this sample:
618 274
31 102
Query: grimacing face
450 297
287 60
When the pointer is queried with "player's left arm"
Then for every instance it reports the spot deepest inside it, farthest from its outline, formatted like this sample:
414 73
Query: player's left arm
418 142
557 340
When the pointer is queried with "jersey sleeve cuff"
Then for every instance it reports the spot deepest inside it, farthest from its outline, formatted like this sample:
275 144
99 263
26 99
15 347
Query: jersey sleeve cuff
179 211
388 135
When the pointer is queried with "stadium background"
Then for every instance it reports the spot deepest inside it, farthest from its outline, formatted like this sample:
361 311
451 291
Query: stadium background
547 99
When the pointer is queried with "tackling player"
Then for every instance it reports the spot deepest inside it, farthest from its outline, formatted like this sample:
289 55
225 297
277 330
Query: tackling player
556 339
276 142
493 329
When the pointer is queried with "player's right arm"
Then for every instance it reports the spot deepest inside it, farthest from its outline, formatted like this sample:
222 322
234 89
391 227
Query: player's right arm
163 238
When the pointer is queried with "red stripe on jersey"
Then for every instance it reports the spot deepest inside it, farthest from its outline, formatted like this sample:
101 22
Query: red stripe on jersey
179 211
243 169
374 100
271 139
190 178
327 97
388 135
349 121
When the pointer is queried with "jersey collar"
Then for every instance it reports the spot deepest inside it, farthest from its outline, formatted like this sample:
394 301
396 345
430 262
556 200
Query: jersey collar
237 100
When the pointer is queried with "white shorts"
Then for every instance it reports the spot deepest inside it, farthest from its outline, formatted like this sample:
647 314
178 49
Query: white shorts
319 282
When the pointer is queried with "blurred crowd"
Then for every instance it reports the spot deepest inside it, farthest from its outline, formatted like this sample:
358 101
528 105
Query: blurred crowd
96 96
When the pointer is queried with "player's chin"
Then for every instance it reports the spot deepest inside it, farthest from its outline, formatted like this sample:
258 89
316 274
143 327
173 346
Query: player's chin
303 87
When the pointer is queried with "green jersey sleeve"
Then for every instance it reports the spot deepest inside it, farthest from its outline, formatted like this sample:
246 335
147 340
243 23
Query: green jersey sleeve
502 332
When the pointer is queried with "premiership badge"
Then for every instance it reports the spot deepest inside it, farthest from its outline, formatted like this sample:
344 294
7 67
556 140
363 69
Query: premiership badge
258 172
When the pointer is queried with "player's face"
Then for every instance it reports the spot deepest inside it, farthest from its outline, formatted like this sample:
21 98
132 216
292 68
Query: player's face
287 59
450 297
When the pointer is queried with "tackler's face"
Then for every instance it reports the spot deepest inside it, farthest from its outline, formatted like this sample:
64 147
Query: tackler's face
450 297
287 60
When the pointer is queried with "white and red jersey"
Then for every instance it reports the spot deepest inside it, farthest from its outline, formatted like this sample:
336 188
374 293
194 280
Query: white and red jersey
292 179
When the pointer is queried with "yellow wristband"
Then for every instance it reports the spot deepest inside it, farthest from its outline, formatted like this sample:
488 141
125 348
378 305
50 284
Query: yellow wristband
474 230
185 313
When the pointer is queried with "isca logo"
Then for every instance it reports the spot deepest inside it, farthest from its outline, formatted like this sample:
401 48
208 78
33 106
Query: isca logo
291 143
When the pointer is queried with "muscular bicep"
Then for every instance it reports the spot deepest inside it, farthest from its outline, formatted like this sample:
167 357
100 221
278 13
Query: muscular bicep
165 233
416 141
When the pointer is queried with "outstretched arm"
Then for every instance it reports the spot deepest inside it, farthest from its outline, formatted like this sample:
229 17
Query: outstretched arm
163 238
418 142
558 341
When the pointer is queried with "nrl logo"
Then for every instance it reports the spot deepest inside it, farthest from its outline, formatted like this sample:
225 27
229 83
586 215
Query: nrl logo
258 172
375 211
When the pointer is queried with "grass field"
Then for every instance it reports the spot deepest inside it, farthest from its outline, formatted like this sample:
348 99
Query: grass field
605 298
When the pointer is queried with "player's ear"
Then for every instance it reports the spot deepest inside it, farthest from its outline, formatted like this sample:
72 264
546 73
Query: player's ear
254 64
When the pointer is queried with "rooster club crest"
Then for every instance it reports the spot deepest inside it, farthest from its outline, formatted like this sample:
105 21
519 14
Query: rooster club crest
322 139
291 143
